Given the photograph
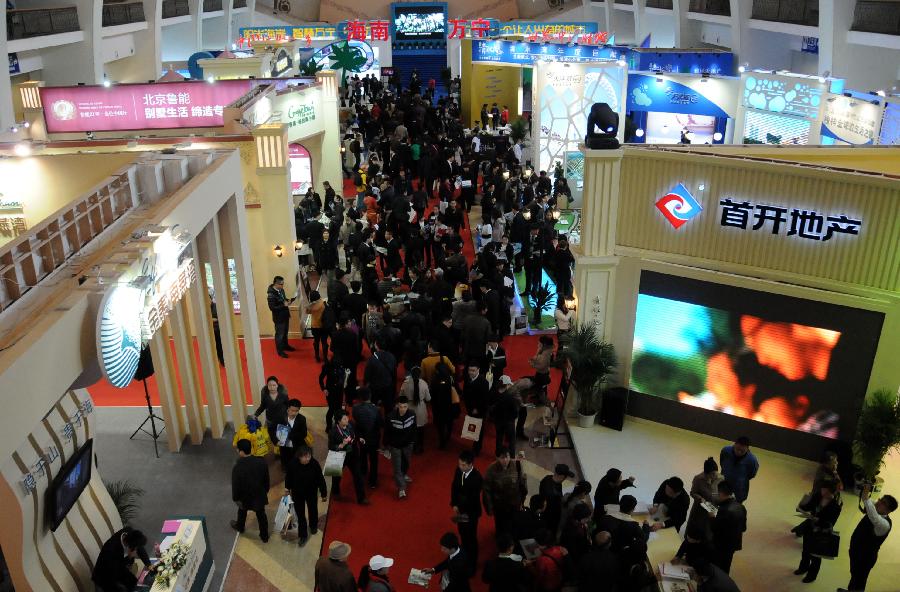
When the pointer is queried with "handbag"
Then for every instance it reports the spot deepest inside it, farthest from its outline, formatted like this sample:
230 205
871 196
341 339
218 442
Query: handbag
471 429
308 440
334 463
283 512
823 543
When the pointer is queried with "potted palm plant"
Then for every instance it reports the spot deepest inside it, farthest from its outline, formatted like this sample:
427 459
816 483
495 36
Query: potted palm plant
518 129
127 498
541 302
591 360
877 433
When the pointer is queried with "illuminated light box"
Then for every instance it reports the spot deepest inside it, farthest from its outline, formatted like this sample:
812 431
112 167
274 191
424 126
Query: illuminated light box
419 21
890 125
769 128
72 109
797 364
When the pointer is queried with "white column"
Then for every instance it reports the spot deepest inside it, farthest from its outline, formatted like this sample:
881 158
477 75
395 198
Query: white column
835 19
740 35
147 58
78 62
228 7
640 23
679 12
233 224
196 8
7 114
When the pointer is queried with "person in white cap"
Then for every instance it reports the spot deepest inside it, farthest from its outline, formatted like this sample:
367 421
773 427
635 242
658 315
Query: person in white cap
374 576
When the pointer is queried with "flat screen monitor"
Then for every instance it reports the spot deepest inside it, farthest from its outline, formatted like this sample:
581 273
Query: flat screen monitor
788 362
666 128
420 23
68 484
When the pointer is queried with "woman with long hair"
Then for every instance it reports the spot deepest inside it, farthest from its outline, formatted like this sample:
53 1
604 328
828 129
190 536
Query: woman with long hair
374 576
273 399
416 390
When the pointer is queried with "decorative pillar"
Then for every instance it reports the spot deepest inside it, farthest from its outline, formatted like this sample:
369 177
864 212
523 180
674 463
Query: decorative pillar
190 386
198 297
167 387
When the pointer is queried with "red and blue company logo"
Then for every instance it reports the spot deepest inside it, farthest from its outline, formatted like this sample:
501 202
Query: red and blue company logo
678 206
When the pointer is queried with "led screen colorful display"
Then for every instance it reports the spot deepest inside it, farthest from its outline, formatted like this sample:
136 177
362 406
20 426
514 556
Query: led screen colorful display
787 362
420 23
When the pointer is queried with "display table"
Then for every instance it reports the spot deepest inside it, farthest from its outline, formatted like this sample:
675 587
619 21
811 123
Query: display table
196 574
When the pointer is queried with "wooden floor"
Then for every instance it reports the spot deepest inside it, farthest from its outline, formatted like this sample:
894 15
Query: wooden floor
652 452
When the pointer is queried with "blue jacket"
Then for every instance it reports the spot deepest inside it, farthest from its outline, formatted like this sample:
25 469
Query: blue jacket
738 471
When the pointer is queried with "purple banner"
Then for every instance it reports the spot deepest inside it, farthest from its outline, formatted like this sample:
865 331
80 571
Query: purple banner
161 105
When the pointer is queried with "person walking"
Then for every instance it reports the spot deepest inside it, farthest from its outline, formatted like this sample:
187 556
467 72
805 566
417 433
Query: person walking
728 526
250 489
415 389
739 466
374 576
399 438
281 314
273 400
344 438
304 478
868 536
551 490
475 394
505 488
505 413
824 509
332 574
381 376
465 499
456 569
368 422
445 410
292 434
333 381
316 310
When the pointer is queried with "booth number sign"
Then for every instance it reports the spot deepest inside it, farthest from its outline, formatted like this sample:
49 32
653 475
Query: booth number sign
807 224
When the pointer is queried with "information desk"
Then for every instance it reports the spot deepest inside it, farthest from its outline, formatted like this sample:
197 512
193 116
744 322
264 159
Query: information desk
196 575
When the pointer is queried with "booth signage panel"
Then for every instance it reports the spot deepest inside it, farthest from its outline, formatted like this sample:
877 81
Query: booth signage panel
687 62
697 96
520 53
316 32
300 110
801 96
890 125
13 63
851 120
139 106
283 62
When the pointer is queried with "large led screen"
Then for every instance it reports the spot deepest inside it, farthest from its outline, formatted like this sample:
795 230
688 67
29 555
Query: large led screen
666 128
420 23
793 363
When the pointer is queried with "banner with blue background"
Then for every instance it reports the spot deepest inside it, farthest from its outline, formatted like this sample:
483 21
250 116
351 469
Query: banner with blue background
648 92
520 53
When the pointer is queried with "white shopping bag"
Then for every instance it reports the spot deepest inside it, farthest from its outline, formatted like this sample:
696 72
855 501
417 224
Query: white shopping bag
282 513
471 428
334 463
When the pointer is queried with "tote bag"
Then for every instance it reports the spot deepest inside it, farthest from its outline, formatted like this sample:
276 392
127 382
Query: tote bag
471 428
334 463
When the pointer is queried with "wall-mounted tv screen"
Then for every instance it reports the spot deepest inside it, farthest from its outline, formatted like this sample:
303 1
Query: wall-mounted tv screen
420 23
68 484
788 362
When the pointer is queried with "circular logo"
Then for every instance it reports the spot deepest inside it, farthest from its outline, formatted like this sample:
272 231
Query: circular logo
63 110
119 329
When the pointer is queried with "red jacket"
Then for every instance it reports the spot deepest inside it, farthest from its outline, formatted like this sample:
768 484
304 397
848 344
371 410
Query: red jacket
548 569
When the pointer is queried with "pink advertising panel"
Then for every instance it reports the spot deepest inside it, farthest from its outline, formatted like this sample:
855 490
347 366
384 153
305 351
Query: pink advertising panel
161 105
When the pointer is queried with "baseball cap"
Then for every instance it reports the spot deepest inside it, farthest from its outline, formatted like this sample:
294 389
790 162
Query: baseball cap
380 562
506 380
563 469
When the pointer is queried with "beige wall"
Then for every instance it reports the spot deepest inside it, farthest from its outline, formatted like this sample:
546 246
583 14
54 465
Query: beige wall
45 184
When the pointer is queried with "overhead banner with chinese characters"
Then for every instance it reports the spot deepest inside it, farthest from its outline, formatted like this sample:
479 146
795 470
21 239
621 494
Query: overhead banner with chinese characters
754 217
716 97
161 105
522 53
851 120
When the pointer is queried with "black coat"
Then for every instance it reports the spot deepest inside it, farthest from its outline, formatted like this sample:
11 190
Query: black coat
503 574
112 568
303 480
459 571
277 302
729 525
625 533
250 482
598 571
297 435
676 508
345 346
475 395
466 495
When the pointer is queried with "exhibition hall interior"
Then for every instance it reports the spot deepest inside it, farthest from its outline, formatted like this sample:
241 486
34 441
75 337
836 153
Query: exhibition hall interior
517 296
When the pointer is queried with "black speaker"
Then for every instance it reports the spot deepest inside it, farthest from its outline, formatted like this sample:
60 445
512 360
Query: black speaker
612 411
145 364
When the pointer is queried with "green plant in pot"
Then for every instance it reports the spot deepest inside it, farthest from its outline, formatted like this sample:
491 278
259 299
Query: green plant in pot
541 301
127 498
518 129
591 360
877 433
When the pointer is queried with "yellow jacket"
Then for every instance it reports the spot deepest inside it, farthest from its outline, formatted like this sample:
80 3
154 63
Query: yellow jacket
260 443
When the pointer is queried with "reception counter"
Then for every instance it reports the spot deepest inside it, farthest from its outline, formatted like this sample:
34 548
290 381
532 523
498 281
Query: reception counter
196 574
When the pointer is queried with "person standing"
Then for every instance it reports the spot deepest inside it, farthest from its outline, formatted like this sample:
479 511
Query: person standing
399 437
112 570
599 569
551 490
250 489
381 375
273 400
703 489
506 572
475 394
374 576
728 526
824 509
304 478
332 574
455 569
465 499
416 391
281 314
368 422
507 403
739 466
344 438
332 382
316 310
504 490
291 435
445 410
867 537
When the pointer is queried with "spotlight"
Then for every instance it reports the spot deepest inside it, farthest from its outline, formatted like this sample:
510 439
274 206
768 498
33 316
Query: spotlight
210 79
555 214
822 79
14 129
602 117
106 83
881 93
22 149
27 125
701 187
298 245
621 63
717 137
278 250
639 133
742 69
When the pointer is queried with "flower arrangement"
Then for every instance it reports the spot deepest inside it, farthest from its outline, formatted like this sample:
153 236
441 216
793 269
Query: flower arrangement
170 563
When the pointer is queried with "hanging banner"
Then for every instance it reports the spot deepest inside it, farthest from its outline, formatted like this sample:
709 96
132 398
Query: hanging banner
851 120
521 53
714 62
790 94
716 97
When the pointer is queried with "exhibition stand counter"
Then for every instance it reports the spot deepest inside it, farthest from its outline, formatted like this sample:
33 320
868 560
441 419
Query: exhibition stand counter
188 532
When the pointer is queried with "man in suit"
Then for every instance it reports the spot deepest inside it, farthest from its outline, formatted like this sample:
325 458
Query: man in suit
599 568
112 570
868 537
338 291
281 314
291 435
675 499
475 333
626 532
455 568
465 499
381 375
475 396
250 489
728 526
506 573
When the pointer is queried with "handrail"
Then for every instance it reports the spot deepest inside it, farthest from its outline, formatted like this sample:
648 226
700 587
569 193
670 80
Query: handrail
25 23
123 13
175 8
